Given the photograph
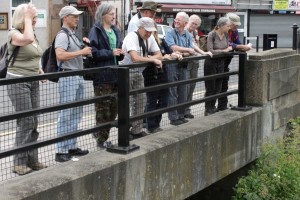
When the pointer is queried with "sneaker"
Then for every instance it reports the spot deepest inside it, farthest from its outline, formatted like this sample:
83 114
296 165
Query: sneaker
37 166
21 169
104 144
62 157
154 130
176 122
209 112
138 135
78 152
189 116
183 120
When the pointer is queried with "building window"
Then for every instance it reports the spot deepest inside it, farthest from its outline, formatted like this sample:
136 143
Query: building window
15 3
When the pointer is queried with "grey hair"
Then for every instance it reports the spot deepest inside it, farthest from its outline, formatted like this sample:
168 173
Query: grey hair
102 10
221 22
183 15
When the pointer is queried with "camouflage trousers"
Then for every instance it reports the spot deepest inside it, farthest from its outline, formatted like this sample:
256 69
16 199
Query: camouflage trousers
106 110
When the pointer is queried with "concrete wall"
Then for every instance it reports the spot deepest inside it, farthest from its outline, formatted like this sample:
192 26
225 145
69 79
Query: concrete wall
176 163
273 81
173 164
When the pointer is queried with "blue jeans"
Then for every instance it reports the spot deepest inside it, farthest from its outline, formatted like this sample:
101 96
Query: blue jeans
177 94
70 89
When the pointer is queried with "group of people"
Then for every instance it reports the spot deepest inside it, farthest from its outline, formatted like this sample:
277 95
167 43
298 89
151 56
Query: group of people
141 44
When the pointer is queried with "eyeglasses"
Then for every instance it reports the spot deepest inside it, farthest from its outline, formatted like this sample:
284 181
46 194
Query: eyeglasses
110 14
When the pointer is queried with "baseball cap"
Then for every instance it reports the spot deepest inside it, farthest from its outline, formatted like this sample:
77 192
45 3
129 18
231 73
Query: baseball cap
150 5
69 10
147 23
234 18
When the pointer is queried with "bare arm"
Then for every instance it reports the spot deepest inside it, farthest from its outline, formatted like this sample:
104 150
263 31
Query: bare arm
64 55
27 37
136 58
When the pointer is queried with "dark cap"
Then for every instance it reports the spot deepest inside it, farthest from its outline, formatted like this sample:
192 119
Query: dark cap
150 5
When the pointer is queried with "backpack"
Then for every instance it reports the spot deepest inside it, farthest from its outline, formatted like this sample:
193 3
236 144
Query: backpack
48 59
4 61
203 41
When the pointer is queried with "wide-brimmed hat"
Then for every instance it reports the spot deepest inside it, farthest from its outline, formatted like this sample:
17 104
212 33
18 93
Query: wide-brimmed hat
234 18
150 5
69 10
147 23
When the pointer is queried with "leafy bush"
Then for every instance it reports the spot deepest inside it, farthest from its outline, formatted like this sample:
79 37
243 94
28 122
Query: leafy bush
276 175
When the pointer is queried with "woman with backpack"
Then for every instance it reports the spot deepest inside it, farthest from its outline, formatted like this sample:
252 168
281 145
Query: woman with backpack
25 95
217 43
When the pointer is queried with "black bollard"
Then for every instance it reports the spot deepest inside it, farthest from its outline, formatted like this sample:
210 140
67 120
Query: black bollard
295 37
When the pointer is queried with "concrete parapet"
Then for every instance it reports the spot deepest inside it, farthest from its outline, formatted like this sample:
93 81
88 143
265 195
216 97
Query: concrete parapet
273 78
173 164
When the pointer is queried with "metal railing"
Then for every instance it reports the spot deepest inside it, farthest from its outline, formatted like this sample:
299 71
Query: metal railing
123 144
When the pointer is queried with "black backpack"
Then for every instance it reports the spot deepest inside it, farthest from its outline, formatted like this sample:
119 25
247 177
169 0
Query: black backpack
48 59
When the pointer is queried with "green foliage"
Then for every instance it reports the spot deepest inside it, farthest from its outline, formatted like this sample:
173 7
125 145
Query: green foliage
276 174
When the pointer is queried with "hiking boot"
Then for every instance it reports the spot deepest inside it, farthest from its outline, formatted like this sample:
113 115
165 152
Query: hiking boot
176 122
21 169
154 130
189 116
137 135
37 166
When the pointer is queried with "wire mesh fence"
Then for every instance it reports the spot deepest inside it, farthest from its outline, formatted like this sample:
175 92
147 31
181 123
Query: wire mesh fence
46 118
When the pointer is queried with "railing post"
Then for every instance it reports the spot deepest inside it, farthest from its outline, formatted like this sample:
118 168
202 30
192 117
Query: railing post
242 85
123 114
295 28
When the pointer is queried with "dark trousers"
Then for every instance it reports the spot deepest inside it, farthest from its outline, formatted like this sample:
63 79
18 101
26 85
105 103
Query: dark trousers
223 101
213 86
155 99
106 110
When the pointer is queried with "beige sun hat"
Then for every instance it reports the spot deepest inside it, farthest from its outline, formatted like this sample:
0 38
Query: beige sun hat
69 10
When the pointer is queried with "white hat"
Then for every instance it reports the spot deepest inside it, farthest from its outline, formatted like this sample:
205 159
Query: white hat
69 10
234 18
147 23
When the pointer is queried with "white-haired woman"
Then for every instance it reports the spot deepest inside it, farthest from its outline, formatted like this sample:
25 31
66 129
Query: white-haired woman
25 96
217 43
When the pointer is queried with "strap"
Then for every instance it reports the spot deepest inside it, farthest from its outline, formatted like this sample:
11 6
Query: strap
142 44
13 56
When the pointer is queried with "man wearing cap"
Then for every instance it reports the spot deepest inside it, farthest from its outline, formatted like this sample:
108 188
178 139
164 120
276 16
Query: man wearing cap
179 40
233 36
140 46
148 9
69 52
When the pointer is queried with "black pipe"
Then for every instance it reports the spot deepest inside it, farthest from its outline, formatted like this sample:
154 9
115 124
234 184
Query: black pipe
295 28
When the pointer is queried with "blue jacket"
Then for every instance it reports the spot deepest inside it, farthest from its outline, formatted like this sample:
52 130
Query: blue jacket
103 55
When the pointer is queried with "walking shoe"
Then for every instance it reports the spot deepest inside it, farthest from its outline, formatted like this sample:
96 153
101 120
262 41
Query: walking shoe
104 144
21 169
154 130
138 135
189 116
78 152
183 120
37 166
222 108
209 112
62 157
176 122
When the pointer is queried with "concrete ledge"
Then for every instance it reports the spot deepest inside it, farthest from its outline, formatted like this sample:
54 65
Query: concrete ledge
173 164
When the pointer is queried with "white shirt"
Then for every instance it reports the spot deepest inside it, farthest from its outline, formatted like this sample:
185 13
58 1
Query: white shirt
132 26
131 43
